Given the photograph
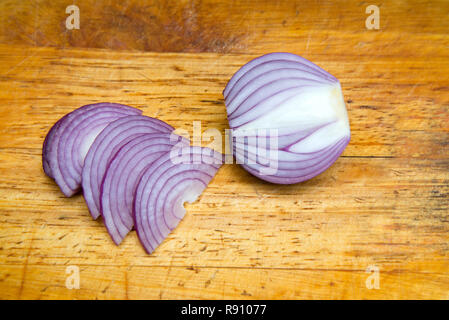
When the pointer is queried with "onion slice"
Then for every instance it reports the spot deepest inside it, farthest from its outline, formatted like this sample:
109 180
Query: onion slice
123 174
69 139
106 145
173 179
48 142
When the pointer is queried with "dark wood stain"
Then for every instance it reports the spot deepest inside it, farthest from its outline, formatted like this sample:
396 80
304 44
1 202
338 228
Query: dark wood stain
158 26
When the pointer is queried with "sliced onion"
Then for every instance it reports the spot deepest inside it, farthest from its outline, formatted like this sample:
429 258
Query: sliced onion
123 174
105 146
295 108
69 139
170 181
46 148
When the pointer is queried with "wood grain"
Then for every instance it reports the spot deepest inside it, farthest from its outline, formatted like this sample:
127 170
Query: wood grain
384 203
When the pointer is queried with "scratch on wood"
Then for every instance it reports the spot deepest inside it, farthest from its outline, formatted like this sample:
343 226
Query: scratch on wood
25 266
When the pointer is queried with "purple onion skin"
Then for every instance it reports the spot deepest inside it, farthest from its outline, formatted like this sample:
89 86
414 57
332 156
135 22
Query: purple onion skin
45 148
301 103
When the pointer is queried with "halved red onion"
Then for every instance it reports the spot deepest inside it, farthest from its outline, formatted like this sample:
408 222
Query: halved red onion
165 186
288 118
123 174
69 140
106 145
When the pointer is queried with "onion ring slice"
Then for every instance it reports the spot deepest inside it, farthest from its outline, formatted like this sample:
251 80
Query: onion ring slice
173 179
124 172
106 145
68 140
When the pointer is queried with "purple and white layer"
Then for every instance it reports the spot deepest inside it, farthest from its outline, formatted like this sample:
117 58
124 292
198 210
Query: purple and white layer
68 141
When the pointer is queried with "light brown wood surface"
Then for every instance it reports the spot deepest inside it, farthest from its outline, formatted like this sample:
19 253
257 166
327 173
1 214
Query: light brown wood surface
383 204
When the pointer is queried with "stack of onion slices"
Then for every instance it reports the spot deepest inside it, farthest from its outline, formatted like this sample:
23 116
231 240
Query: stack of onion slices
134 171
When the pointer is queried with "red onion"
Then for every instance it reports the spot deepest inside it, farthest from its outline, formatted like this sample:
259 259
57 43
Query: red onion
288 118
68 141
118 156
171 180
106 145
123 174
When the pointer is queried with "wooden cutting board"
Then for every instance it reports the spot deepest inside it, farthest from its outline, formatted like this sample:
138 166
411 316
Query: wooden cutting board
379 213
